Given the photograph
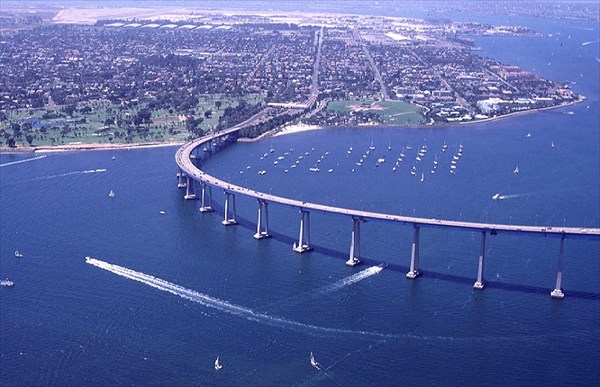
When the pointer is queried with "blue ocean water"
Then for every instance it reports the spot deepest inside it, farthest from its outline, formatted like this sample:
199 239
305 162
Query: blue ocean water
263 308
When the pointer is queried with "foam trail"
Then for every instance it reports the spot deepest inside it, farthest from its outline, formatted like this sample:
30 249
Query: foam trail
221 305
21 161
72 173
590 42
350 280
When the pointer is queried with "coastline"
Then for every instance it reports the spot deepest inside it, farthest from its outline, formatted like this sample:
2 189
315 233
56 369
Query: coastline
84 147
300 127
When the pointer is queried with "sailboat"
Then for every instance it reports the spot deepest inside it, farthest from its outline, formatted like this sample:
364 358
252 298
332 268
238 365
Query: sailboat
516 170
111 194
313 362
18 254
218 364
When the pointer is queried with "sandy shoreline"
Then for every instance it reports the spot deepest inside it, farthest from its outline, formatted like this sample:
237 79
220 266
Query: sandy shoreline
84 147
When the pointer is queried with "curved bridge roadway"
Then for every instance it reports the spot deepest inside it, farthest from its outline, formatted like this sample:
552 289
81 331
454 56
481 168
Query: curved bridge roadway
184 161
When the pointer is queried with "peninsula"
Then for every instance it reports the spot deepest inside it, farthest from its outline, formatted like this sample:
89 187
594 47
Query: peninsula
77 77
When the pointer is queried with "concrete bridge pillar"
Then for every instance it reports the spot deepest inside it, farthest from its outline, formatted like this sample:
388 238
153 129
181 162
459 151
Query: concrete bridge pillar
354 258
479 284
229 202
557 292
303 244
180 181
206 198
414 271
262 225
190 190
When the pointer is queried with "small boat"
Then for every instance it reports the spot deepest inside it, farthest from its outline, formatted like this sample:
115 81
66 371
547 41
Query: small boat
372 147
552 144
163 213
218 364
7 282
453 167
409 147
313 362
280 158
262 172
394 169
516 170
381 160
455 157
496 197
528 134
272 150
330 170
111 194
444 147
18 254
418 158
314 169
390 146
413 171
422 177
114 158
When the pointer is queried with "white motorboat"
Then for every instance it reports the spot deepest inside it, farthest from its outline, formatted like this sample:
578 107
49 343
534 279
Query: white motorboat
381 160
496 197
218 364
18 254
422 177
516 170
7 282
111 194
314 169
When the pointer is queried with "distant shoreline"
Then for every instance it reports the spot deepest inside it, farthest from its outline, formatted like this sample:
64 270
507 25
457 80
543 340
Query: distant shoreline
83 147
290 129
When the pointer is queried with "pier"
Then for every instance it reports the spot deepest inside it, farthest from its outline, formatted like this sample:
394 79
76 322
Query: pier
194 176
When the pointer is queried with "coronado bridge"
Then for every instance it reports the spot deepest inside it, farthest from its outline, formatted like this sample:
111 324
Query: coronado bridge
199 184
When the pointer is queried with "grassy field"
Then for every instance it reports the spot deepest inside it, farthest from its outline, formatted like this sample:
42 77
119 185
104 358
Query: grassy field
390 112
53 126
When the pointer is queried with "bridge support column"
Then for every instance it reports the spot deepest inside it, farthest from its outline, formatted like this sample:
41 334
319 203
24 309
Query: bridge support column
303 244
206 198
180 182
557 292
354 258
479 284
414 271
229 201
189 189
263 220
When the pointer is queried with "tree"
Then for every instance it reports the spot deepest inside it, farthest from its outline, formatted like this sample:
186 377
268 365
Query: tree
29 138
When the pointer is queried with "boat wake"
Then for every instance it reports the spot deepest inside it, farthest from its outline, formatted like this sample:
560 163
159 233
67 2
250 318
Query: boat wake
503 197
225 306
280 322
368 272
22 161
85 172
590 42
